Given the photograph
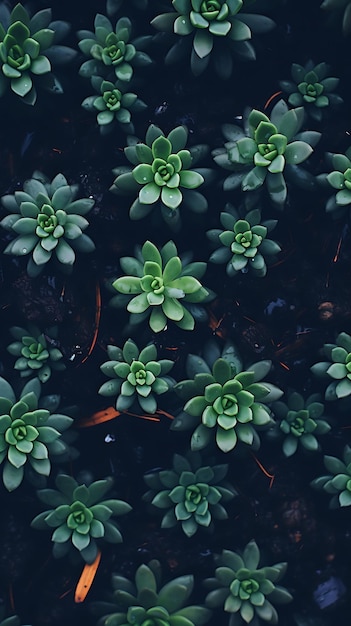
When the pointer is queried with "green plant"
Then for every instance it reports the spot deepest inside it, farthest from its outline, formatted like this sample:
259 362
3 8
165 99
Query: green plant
34 352
113 54
342 7
266 150
28 48
113 105
136 376
30 435
338 482
227 400
48 221
162 176
243 244
312 88
160 286
245 590
337 367
300 421
80 516
339 178
211 29
145 602
192 493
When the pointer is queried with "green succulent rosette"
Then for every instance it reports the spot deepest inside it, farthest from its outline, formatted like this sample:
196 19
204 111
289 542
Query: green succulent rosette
112 52
229 402
80 517
337 367
30 435
191 494
36 356
242 243
337 482
300 421
113 105
211 30
161 287
339 178
146 601
161 176
342 9
48 222
245 590
266 150
28 49
137 376
312 87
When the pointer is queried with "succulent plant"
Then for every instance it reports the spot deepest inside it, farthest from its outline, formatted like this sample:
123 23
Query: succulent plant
48 222
28 49
113 105
266 149
343 7
162 176
30 435
227 400
191 493
243 244
300 421
311 87
340 179
337 367
245 590
211 29
80 516
113 54
36 356
161 286
136 376
338 482
146 602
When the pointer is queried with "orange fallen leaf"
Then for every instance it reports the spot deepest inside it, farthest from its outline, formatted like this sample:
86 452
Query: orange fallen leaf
86 579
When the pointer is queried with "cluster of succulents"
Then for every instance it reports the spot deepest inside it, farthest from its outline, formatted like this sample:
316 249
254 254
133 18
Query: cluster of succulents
147 601
211 29
245 590
80 516
337 367
137 376
162 175
243 243
265 149
338 482
36 351
224 402
48 222
29 46
300 422
312 87
191 494
161 287
29 433
230 405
